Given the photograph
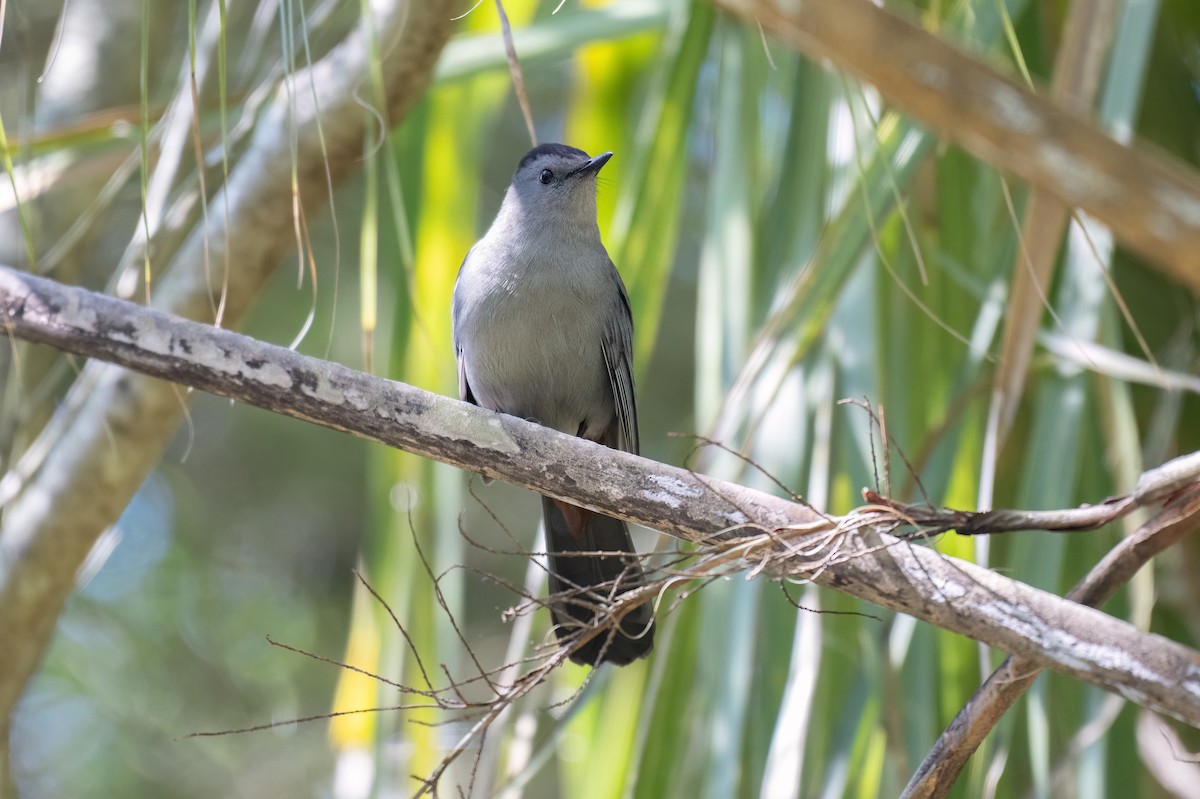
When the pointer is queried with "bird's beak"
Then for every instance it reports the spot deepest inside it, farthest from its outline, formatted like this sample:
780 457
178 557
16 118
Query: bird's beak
592 165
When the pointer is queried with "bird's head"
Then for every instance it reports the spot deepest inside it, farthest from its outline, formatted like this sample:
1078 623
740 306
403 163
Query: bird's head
556 183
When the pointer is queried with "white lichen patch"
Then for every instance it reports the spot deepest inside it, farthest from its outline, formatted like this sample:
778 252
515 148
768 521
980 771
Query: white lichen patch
932 75
487 434
271 374
1078 654
671 491
1011 110
1088 656
223 361
1182 205
1078 177
1015 617
663 498
947 589
736 518
1134 695
356 399
1191 683
324 391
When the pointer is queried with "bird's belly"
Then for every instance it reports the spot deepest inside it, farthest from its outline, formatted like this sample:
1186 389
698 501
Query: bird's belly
546 367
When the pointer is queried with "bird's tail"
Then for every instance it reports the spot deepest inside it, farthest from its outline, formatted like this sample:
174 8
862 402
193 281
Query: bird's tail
590 582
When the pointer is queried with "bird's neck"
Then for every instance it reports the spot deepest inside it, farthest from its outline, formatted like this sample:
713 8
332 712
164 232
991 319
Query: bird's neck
557 228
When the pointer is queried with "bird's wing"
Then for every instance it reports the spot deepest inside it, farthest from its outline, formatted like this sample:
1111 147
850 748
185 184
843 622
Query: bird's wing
464 388
618 358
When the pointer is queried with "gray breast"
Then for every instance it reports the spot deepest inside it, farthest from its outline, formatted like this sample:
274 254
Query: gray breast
531 340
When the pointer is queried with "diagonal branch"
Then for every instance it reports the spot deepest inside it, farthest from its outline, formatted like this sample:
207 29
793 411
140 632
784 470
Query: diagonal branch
1009 682
859 557
1150 201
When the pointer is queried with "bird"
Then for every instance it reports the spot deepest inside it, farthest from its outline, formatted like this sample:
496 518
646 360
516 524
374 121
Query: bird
542 330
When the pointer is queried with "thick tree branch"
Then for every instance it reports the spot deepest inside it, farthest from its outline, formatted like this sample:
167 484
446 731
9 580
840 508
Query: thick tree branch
1047 630
1009 682
1149 200
112 427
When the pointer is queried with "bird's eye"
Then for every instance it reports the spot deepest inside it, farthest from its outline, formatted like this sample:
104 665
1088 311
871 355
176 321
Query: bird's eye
546 176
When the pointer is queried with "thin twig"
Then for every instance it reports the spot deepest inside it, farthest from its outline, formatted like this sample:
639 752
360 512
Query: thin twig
514 69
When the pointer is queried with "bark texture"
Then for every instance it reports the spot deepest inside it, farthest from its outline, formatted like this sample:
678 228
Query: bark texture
1045 630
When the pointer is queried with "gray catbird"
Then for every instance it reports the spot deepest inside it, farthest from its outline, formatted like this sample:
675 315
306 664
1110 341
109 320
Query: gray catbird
542 330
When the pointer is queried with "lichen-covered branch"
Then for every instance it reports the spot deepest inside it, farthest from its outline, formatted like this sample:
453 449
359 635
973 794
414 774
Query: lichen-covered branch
1009 682
854 554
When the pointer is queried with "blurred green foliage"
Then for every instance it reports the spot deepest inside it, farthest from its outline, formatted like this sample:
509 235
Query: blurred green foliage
771 218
